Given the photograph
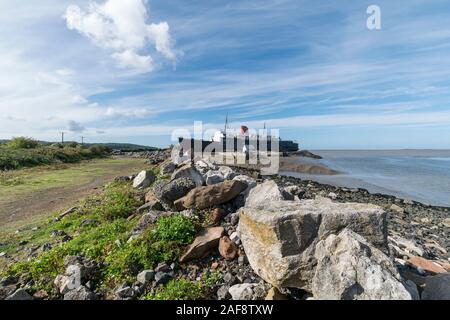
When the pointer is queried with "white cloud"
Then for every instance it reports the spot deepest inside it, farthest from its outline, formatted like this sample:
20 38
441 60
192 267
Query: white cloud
128 113
120 26
130 59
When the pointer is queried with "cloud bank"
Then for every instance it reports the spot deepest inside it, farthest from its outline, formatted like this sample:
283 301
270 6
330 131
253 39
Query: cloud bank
120 26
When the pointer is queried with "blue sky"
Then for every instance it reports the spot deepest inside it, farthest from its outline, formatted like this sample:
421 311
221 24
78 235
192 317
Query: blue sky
135 70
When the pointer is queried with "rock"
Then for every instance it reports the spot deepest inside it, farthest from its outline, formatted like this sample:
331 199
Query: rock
2 254
242 260
251 183
295 191
408 245
209 196
234 218
203 166
168 167
264 193
227 248
247 291
168 192
446 222
207 240
146 276
144 179
279 241
349 268
40 295
21 295
125 291
227 173
235 237
151 206
81 293
437 287
222 293
213 177
147 220
275 294
332 196
427 265
162 278
216 216
397 209
6 281
189 171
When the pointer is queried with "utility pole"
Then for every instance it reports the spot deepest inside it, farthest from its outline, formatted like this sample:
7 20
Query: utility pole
82 140
62 136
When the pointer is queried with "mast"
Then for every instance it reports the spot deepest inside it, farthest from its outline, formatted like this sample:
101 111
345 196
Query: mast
226 124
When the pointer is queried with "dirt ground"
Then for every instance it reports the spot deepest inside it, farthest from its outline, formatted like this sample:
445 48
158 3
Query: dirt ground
47 191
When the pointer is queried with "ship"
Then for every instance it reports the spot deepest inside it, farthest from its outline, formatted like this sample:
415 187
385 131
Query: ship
241 141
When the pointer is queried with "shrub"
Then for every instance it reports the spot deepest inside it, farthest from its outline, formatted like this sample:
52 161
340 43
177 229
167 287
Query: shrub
100 149
181 289
175 228
23 143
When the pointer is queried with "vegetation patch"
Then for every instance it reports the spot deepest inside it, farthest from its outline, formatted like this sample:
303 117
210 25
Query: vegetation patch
25 152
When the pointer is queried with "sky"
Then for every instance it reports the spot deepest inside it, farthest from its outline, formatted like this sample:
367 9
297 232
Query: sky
136 70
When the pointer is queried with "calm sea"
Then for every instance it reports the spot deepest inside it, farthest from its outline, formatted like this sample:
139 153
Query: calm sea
422 175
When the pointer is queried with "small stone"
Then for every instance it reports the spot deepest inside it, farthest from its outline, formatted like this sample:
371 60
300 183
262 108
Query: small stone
81 293
40 295
234 218
146 276
242 260
2 254
214 265
397 209
222 293
229 279
125 292
275 294
162 278
227 248
332 196
216 216
427 265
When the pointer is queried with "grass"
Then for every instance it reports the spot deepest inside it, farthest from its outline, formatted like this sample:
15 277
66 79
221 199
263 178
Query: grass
106 241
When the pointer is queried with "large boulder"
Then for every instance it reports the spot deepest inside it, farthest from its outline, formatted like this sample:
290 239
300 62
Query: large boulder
265 193
169 192
167 167
189 171
144 179
280 239
437 287
207 240
209 196
251 183
204 165
350 268
214 177
20 294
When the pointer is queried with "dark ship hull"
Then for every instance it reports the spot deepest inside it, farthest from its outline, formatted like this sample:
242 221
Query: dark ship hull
236 144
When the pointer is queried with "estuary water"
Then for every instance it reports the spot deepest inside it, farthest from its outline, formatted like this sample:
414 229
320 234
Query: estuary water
421 175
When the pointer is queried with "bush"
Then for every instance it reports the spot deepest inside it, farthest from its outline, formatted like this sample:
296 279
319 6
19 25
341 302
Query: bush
175 228
119 201
100 149
181 289
23 143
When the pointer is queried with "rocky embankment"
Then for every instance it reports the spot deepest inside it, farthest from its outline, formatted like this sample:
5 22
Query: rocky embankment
279 238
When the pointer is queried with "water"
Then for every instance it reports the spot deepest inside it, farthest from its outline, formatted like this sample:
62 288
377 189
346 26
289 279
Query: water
421 175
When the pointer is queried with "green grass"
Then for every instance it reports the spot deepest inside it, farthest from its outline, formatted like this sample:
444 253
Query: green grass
106 241
184 289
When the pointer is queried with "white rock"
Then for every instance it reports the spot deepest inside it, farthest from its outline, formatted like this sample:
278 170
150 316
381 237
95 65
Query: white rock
214 177
332 196
263 194
280 239
144 179
189 171
349 268
248 291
